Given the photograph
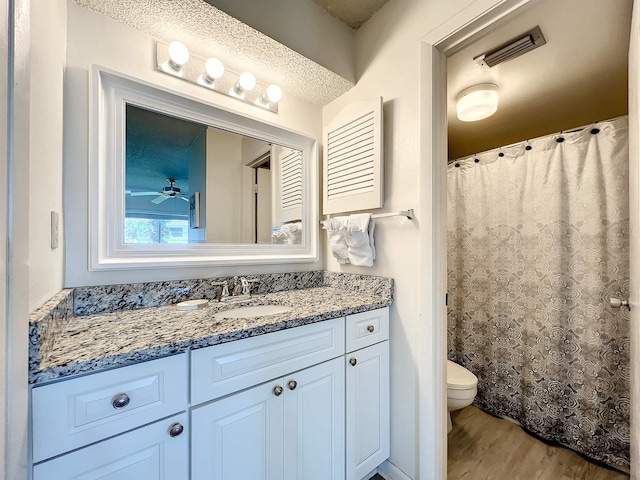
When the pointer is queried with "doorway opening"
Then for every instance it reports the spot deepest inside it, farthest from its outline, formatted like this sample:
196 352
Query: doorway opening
462 30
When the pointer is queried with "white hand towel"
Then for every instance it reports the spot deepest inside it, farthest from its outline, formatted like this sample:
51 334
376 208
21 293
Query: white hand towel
293 231
336 230
359 238
278 237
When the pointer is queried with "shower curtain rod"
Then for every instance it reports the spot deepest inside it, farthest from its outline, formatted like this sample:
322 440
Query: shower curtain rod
573 130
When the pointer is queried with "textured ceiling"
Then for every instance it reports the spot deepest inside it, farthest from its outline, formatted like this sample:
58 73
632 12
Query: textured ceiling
211 32
352 12
578 77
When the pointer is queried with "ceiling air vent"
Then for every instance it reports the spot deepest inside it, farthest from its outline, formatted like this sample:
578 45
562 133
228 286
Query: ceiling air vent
524 43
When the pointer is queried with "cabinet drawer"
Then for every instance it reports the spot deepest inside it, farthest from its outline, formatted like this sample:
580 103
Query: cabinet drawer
148 453
76 412
367 328
229 367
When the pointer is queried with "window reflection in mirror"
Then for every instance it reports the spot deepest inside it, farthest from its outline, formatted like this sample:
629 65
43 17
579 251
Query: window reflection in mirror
188 182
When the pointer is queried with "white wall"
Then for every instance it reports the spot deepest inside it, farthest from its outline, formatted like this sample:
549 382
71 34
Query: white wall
303 26
95 39
388 65
48 50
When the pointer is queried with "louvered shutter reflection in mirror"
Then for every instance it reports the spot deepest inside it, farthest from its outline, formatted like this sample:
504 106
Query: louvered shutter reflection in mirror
288 181
353 163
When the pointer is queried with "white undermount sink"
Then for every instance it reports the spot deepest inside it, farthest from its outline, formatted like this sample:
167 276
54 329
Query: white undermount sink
254 311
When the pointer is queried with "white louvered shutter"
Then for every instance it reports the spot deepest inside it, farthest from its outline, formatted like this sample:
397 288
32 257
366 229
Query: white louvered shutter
353 163
287 168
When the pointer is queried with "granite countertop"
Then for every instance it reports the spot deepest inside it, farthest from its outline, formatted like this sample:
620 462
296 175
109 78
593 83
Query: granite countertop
105 340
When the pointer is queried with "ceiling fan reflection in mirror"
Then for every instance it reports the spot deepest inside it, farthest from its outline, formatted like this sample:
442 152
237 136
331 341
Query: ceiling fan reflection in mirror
164 194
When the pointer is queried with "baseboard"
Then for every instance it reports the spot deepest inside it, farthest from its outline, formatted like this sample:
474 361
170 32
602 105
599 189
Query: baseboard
390 472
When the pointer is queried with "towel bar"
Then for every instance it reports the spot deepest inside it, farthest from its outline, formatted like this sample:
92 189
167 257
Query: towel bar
401 213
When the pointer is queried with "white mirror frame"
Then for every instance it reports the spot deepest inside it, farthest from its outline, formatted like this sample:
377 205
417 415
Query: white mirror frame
111 91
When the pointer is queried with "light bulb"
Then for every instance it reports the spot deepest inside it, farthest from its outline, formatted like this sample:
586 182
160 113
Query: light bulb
246 82
213 69
178 55
274 93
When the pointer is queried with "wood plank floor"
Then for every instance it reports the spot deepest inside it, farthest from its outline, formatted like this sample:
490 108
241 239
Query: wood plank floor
483 447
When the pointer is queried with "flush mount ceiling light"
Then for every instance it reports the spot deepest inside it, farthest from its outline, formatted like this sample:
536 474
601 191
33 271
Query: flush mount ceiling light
176 60
477 102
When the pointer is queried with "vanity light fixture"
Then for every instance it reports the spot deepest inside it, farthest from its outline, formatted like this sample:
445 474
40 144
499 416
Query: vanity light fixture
477 102
176 60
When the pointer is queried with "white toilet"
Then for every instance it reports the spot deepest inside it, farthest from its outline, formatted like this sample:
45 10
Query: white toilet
462 387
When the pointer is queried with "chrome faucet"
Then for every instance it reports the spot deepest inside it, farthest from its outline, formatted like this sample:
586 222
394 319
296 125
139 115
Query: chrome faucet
235 289
245 285
225 289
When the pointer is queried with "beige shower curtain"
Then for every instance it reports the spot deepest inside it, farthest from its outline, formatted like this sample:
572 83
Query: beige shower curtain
537 243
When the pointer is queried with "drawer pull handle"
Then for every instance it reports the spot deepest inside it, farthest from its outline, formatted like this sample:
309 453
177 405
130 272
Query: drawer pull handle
292 384
371 328
277 390
119 401
175 429
353 362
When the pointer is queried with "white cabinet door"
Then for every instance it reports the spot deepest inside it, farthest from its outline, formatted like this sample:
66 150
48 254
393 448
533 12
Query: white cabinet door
149 453
314 422
367 409
295 433
240 436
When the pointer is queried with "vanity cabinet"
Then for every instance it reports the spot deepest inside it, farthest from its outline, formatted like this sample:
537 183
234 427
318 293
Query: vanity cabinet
367 392
281 406
289 428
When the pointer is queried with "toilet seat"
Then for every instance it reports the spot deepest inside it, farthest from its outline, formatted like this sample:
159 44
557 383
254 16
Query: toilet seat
459 378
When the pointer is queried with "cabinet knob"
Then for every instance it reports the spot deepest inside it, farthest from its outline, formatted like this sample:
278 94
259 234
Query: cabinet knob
277 390
175 429
371 328
353 361
120 400
292 384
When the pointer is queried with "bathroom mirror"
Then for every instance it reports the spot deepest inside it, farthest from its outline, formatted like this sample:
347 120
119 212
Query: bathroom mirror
176 181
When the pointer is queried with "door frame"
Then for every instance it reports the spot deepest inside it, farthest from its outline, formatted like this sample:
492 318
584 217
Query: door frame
634 227
448 38
14 243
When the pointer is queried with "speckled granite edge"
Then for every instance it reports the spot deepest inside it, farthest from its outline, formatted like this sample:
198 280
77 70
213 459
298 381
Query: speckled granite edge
368 284
109 298
47 323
